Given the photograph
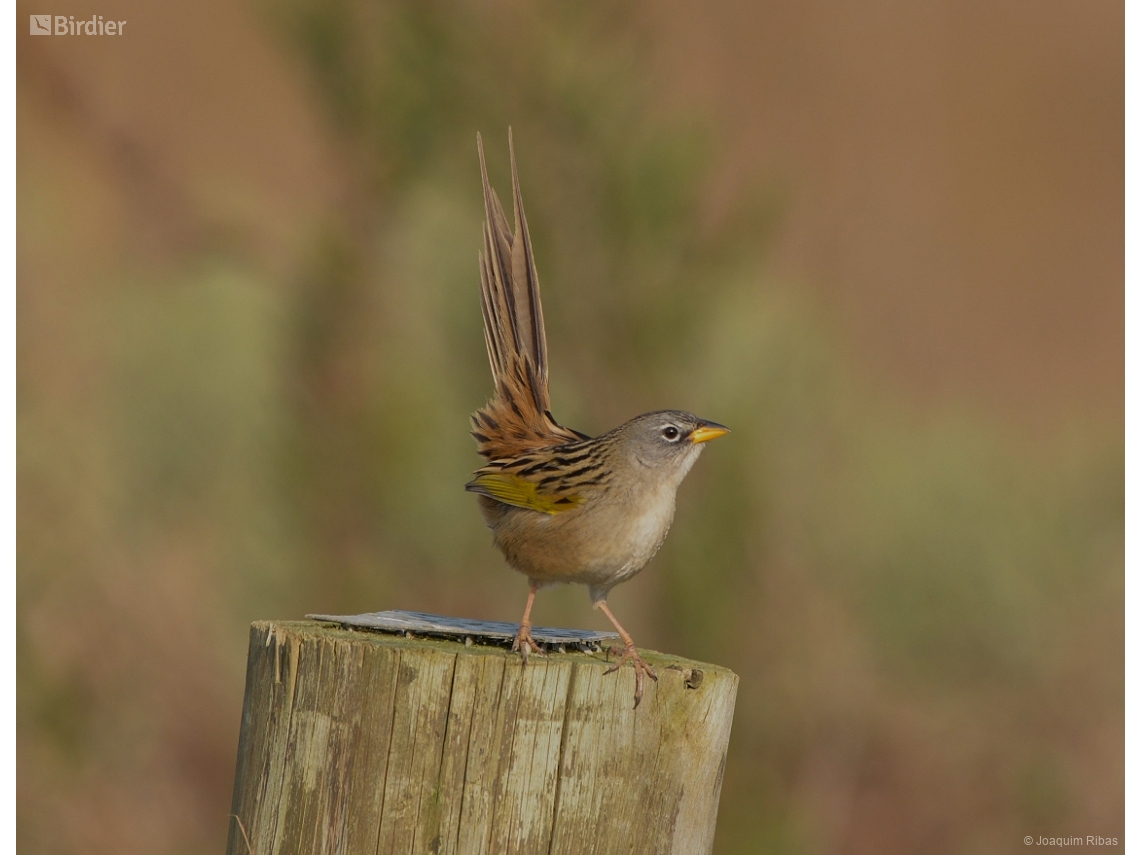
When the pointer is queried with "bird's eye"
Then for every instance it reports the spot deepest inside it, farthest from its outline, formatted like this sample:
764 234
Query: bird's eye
670 433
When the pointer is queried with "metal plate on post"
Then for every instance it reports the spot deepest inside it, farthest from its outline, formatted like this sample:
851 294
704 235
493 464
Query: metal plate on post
460 629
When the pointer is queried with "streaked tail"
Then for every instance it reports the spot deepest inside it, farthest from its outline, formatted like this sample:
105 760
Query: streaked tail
518 417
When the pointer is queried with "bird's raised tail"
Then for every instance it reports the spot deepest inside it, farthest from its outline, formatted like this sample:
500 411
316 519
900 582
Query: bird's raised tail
517 419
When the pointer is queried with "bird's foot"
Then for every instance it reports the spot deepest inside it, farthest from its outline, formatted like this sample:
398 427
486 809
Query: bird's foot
525 644
640 666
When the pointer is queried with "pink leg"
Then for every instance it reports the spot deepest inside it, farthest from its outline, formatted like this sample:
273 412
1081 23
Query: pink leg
629 654
524 643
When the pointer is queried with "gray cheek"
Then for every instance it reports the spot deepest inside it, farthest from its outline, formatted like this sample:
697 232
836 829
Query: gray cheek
690 458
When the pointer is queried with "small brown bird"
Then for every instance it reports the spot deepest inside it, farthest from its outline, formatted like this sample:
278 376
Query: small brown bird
564 507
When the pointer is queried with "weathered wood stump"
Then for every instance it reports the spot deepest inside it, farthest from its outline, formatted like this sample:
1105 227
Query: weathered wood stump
358 742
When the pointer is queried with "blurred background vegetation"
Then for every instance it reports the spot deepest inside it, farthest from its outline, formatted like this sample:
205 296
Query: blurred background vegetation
882 242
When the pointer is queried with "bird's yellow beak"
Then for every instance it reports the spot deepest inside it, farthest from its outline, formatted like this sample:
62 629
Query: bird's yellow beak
707 431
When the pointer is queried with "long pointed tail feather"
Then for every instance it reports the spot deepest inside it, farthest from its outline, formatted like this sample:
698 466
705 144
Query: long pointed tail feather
518 417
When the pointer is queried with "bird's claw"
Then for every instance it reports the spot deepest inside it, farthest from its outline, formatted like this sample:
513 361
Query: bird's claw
525 644
640 667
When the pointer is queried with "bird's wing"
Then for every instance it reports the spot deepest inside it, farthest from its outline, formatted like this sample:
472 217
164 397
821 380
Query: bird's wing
511 489
517 419
550 480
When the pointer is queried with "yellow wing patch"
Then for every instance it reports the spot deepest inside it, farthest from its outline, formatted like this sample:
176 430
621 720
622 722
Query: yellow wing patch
515 490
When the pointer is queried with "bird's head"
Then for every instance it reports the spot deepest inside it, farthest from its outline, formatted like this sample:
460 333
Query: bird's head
668 440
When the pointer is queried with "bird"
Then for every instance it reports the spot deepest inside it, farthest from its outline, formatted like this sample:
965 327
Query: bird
564 506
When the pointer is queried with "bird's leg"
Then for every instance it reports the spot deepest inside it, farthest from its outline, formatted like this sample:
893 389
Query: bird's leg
628 654
524 642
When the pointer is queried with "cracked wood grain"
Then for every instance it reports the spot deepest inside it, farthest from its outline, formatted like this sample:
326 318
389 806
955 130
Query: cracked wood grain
356 743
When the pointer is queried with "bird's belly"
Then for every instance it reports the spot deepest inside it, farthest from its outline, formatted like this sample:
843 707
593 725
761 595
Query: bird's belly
598 546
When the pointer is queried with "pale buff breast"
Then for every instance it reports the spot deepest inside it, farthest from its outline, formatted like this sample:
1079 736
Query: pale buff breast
599 544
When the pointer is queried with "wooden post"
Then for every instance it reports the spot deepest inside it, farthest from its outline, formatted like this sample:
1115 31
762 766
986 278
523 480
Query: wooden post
357 742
